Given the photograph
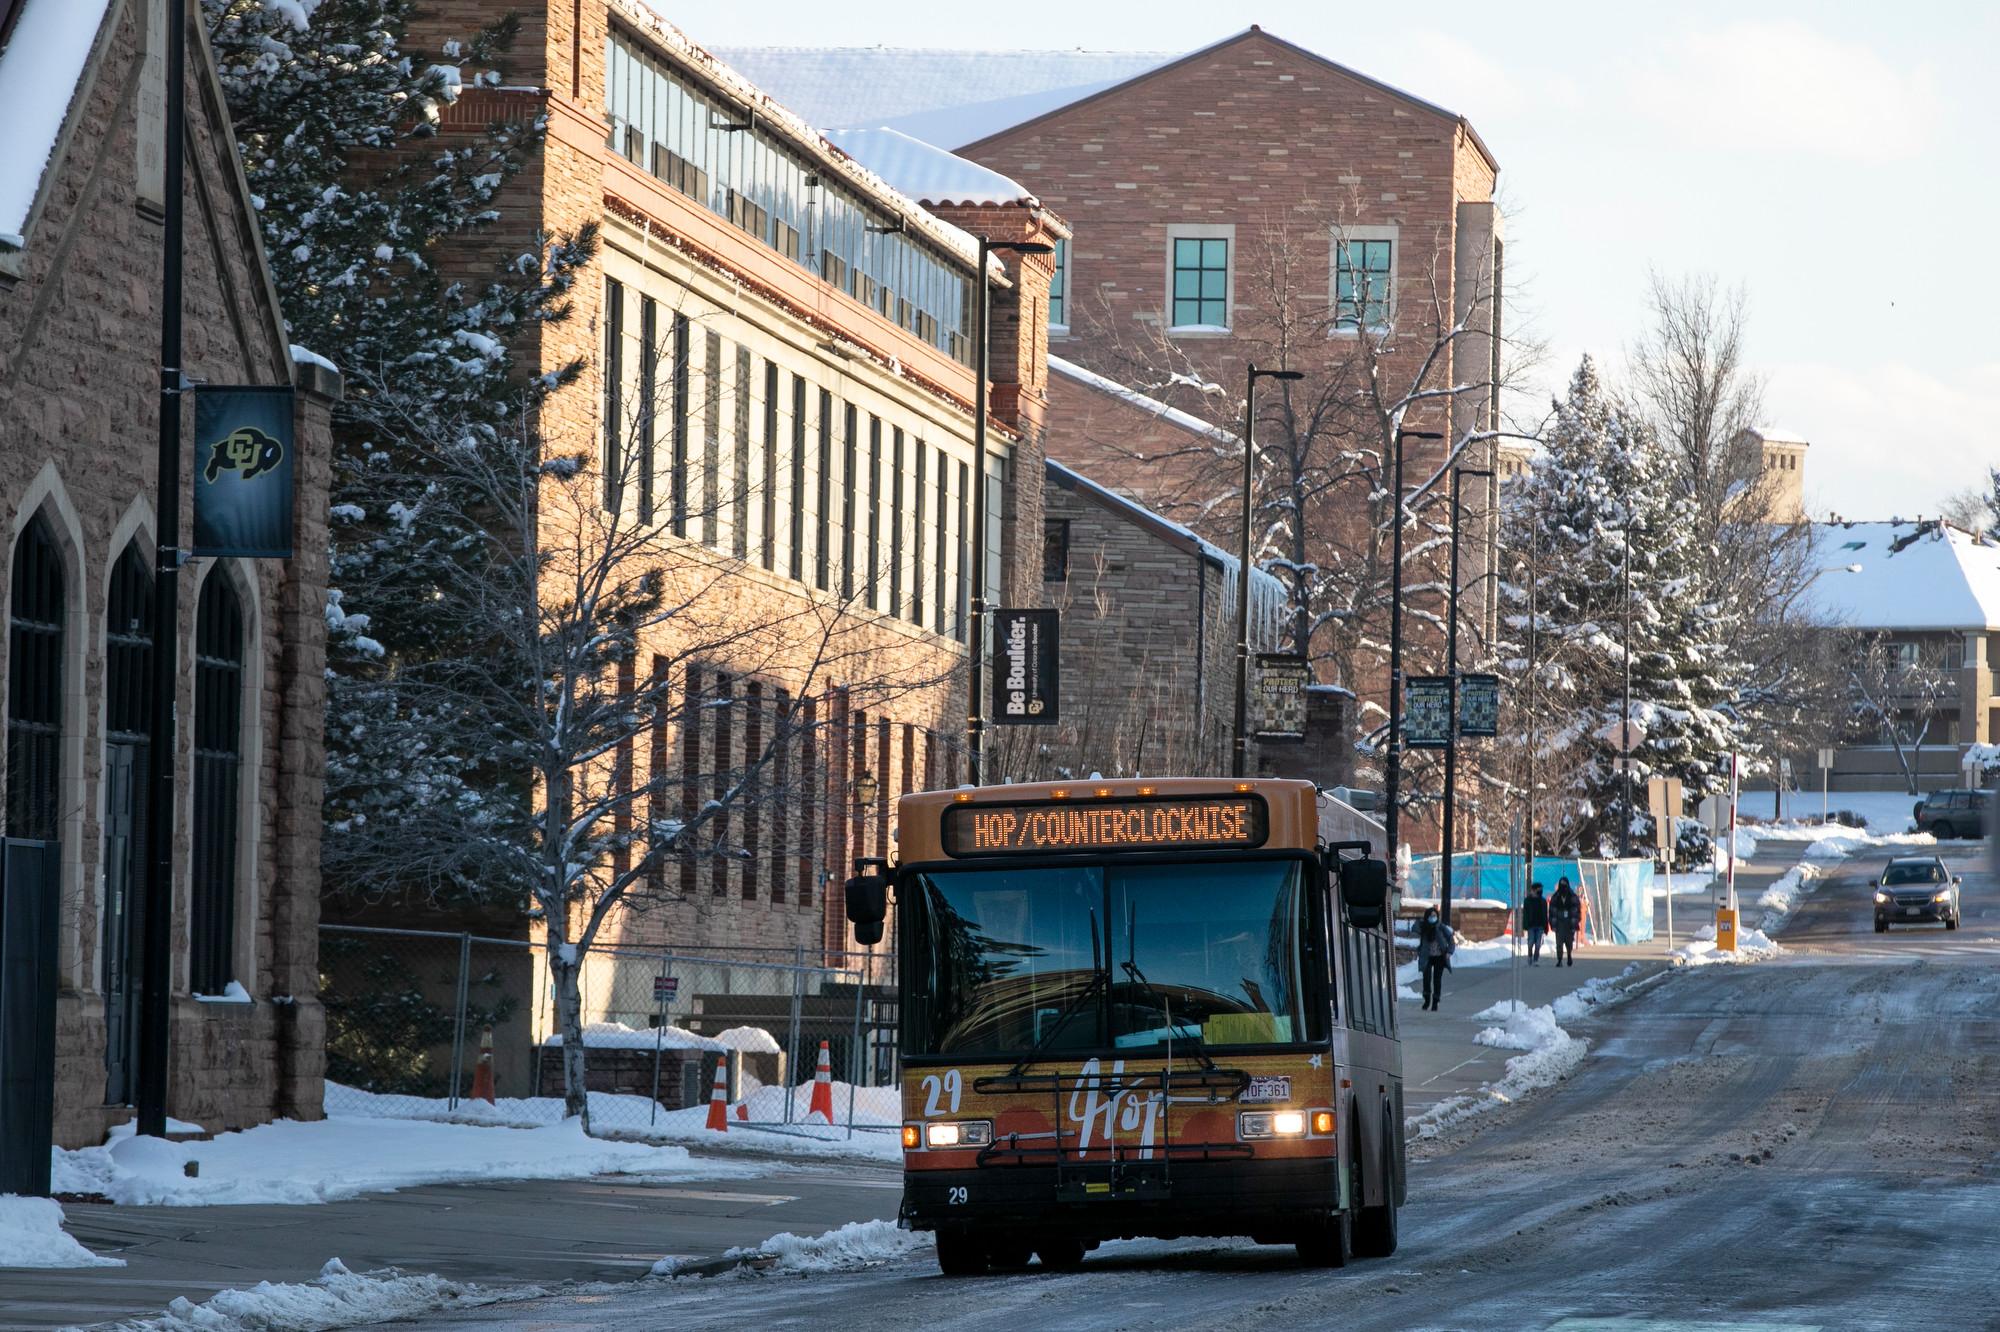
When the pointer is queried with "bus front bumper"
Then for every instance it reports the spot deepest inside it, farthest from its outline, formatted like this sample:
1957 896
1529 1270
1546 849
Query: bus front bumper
1149 1198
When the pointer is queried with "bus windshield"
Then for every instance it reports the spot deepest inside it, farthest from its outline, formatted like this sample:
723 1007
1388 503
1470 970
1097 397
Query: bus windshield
1116 957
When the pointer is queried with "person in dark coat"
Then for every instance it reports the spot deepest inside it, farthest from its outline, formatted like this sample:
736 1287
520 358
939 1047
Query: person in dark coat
1534 921
1565 915
1435 945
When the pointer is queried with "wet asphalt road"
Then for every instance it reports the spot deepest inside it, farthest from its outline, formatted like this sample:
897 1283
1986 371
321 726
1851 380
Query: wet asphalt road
1811 1142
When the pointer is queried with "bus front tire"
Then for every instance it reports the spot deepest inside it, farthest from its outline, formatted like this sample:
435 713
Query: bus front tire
1375 1227
1061 1255
960 1254
1328 1243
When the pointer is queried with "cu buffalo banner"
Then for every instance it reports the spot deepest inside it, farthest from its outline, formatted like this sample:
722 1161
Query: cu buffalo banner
243 472
1026 686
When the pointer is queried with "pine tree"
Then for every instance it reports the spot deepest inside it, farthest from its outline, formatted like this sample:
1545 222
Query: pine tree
335 116
1599 494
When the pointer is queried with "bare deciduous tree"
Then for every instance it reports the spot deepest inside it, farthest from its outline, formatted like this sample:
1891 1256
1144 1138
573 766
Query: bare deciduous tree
1898 690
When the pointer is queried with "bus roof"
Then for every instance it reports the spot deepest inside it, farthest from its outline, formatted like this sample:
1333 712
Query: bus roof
1290 805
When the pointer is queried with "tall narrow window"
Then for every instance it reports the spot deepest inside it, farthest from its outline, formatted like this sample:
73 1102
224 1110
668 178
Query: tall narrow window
940 588
1362 283
784 810
753 806
739 481
874 572
977 544
679 425
711 437
797 498
848 449
896 522
218 761
769 549
1059 288
614 393
35 685
823 494
649 374
917 528
1201 282
128 726
719 708
690 728
659 842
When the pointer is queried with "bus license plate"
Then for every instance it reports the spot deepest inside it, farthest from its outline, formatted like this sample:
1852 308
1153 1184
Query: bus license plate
1267 1090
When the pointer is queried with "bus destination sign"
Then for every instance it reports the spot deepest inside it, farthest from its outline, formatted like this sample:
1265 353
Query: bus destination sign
1184 823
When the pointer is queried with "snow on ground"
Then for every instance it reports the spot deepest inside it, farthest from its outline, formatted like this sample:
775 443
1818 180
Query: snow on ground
856 1244
338 1298
292 1162
1486 953
32 1235
877 1110
1751 946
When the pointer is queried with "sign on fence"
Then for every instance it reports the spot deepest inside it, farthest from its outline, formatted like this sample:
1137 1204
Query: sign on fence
665 988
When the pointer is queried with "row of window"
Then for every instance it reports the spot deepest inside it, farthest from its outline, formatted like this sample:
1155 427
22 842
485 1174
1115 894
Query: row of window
1200 276
730 449
38 628
720 157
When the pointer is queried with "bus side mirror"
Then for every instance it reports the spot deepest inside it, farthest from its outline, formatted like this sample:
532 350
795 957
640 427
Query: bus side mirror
1364 891
868 901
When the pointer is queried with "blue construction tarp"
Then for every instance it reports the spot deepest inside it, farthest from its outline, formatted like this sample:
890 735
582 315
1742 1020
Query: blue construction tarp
1618 894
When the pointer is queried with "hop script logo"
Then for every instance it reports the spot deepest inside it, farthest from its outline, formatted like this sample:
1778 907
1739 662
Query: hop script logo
245 450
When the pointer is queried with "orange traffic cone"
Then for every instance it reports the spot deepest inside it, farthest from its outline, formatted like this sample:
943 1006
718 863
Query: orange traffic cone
743 1112
482 1073
822 1093
718 1100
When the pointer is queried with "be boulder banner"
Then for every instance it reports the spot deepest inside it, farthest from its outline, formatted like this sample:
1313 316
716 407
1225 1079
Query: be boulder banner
1026 668
1282 678
243 471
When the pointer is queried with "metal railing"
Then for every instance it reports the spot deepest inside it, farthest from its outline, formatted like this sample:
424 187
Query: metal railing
428 1025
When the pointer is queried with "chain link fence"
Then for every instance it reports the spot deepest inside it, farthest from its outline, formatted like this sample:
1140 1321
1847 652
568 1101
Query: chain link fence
430 1025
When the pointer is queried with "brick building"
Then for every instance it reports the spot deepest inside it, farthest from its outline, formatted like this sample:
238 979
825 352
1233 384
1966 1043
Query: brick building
784 344
81 204
1248 201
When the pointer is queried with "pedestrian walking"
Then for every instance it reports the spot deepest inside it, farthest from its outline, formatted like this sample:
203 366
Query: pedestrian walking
1565 915
1435 945
1534 921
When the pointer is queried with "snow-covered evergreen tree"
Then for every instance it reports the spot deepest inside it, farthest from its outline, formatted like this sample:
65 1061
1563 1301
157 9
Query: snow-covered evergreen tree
335 114
1600 483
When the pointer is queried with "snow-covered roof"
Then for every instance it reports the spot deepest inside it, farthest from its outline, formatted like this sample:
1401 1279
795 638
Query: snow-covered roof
1912 576
1267 591
39 71
948 97
927 173
1146 403
1779 435
782 119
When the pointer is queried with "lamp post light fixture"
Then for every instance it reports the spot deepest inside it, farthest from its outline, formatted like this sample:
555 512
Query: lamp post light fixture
1240 758
1392 778
975 723
866 789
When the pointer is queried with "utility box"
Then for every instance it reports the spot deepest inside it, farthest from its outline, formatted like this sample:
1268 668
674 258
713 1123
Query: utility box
1725 930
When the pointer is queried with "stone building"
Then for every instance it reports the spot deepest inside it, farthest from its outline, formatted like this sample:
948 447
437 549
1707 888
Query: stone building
778 347
82 193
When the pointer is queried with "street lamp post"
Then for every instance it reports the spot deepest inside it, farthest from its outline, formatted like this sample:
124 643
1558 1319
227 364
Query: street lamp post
1458 474
975 719
1392 770
1240 757
1625 705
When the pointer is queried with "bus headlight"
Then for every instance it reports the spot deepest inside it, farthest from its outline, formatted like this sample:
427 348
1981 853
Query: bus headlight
1253 1124
964 1133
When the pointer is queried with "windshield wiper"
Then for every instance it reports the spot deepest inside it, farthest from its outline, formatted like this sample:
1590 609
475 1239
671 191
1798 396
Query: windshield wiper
1130 967
1099 978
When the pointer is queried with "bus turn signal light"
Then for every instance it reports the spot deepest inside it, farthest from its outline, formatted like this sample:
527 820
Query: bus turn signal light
910 1138
1323 1123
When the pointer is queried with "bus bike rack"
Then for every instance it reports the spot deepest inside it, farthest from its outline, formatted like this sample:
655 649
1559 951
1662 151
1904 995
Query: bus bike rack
1131 1177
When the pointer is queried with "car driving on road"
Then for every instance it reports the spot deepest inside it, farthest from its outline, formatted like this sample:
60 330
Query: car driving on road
1946 814
1915 890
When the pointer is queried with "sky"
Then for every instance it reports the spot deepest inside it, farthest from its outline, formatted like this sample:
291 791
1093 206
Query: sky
1836 160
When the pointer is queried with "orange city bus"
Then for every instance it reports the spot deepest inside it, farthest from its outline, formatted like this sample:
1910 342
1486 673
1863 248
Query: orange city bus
1128 1008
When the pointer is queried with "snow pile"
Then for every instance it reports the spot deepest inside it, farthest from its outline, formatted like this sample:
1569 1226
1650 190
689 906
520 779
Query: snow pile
750 1040
856 1244
1580 1002
1751 946
1551 1054
292 1162
32 1235
618 1036
1485 953
338 1298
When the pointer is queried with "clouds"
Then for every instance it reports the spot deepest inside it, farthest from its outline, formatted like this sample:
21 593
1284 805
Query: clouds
1784 87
